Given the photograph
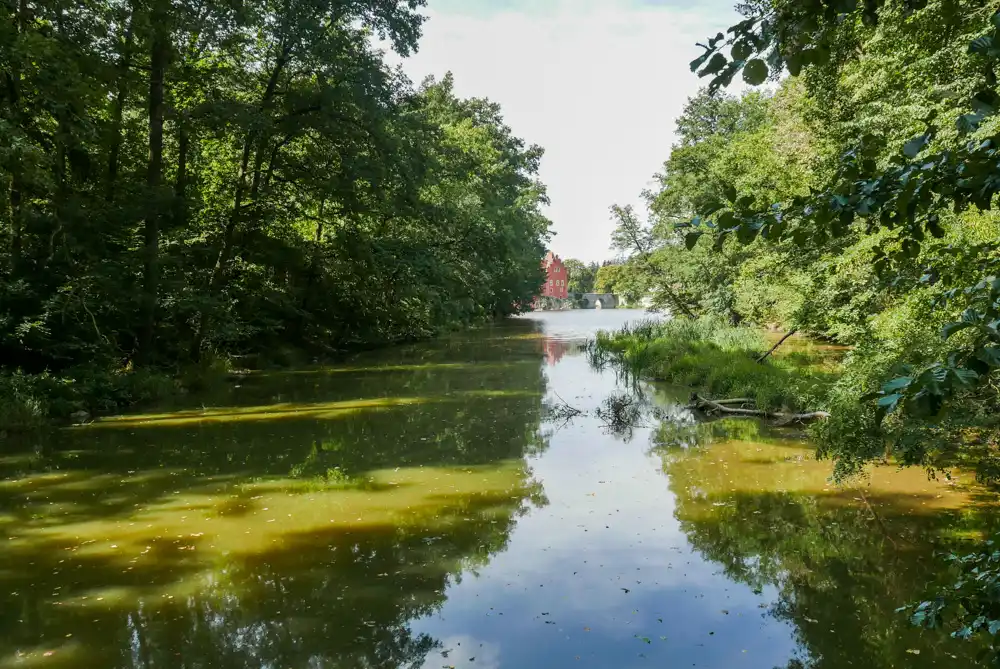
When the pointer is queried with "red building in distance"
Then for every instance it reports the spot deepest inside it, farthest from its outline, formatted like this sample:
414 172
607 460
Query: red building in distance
556 277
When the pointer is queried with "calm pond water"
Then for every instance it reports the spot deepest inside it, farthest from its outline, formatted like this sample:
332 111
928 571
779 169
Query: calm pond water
422 507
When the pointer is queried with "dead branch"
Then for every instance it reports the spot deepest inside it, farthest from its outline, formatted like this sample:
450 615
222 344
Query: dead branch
711 406
774 348
564 409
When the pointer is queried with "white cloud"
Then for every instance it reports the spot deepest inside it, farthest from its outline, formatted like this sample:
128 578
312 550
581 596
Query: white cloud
598 84
464 652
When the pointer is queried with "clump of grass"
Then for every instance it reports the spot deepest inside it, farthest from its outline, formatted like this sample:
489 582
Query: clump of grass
713 358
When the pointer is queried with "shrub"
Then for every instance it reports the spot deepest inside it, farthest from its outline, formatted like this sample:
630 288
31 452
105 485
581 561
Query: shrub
22 406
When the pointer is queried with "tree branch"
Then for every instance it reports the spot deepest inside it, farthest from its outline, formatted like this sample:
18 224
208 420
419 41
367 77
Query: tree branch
774 348
710 406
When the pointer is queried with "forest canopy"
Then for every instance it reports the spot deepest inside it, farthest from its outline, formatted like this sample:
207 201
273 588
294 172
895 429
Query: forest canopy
851 201
190 177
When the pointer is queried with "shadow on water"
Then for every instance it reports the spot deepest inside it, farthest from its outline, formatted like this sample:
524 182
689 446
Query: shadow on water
842 559
302 519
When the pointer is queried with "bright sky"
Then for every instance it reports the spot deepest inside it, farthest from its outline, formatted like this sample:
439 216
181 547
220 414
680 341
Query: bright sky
597 83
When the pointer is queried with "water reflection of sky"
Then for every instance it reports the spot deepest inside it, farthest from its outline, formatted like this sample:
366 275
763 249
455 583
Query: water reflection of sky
603 575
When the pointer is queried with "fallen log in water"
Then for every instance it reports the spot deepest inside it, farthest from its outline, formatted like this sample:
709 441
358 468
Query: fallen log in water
700 403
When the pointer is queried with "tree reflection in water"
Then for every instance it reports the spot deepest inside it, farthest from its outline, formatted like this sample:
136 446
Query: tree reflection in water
756 502
303 520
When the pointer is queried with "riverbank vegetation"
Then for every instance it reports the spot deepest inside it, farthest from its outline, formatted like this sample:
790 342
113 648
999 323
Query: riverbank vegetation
809 208
182 183
716 360
852 201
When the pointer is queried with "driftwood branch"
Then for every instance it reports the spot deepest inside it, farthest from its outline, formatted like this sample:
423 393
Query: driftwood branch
712 406
565 409
774 348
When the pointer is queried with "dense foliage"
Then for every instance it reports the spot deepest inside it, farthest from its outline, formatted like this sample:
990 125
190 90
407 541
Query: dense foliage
813 207
182 177
853 202
581 275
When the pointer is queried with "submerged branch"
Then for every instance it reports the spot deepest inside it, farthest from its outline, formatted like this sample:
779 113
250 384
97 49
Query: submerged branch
709 406
564 409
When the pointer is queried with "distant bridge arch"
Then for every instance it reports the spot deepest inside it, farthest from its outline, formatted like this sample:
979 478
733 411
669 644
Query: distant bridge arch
598 301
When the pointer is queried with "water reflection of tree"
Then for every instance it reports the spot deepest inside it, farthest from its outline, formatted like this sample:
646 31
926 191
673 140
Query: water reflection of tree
323 600
840 574
332 598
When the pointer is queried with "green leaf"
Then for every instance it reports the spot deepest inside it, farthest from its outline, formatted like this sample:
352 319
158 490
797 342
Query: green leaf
897 384
890 402
728 220
742 50
968 123
691 239
712 208
755 72
730 192
990 355
951 328
981 45
794 64
699 61
966 377
985 102
916 145
747 233
717 62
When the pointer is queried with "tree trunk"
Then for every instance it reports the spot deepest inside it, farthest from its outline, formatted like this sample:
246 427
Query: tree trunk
180 184
15 220
225 251
774 348
118 111
647 259
707 405
17 180
229 232
154 175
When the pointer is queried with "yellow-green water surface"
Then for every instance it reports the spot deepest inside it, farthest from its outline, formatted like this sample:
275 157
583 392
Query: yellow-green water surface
419 507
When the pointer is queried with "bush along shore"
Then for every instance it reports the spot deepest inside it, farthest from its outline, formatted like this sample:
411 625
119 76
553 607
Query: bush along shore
732 370
738 370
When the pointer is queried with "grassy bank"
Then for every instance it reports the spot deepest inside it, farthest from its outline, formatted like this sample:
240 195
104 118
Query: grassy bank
719 361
